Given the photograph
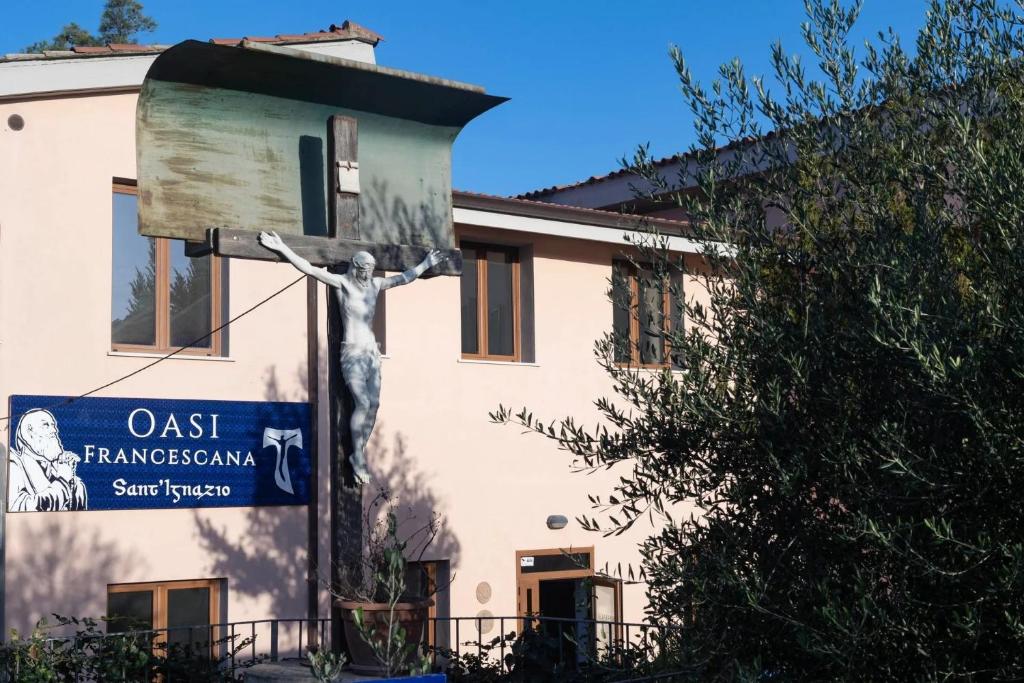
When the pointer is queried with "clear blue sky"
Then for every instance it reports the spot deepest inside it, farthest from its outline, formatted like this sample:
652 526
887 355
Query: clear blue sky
589 79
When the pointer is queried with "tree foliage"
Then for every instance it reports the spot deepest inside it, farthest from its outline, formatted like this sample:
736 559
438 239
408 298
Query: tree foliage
849 428
121 22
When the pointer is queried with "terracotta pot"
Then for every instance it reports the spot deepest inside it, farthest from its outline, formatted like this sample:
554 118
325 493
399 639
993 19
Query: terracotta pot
412 616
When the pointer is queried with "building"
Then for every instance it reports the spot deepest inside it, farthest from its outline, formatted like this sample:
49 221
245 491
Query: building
85 300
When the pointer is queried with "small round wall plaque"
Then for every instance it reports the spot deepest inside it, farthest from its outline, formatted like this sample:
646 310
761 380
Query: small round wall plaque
485 621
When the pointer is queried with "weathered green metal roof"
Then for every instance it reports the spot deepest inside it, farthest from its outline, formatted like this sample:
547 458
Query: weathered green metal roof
235 137
300 75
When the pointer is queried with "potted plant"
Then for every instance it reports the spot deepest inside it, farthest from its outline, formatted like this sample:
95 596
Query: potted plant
385 614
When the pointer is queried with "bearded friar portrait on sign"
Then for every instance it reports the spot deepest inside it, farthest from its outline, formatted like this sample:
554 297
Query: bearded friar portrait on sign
42 473
356 293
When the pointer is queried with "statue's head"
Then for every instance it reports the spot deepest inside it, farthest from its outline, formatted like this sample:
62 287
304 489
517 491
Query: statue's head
362 266
37 433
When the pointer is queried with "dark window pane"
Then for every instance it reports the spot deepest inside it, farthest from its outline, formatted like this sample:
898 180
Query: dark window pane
417 581
468 288
188 607
621 310
132 610
133 314
190 296
500 320
652 320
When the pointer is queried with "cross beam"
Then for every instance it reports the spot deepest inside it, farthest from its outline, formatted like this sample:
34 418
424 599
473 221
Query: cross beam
329 251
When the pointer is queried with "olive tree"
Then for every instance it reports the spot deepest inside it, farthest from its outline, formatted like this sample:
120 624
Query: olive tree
848 425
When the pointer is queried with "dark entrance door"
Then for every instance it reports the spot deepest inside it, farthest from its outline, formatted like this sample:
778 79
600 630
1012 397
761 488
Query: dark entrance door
560 586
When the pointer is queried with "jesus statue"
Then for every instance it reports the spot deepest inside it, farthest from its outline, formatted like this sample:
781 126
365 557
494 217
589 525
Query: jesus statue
356 292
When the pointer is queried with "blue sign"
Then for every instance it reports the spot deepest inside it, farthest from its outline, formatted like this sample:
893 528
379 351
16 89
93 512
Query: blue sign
139 453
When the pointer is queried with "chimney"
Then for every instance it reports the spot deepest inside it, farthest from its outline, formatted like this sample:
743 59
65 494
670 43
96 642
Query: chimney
349 41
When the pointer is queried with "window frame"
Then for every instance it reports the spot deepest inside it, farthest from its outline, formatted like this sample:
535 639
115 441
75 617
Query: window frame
159 590
632 272
162 304
482 337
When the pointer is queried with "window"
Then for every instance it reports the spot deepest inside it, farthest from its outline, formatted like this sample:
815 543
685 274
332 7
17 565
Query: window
646 309
491 303
169 607
161 298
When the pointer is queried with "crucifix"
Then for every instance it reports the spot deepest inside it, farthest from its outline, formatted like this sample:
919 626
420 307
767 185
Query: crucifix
232 159
354 369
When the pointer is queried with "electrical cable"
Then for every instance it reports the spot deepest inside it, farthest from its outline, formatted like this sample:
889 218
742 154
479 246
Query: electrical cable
209 334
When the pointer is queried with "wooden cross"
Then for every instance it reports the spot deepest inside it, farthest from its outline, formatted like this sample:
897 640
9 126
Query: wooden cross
343 177
347 516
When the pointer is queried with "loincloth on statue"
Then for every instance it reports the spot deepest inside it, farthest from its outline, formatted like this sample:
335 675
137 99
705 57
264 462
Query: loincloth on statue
359 360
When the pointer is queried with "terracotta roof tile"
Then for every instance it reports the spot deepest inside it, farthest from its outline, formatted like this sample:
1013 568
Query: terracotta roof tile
358 30
319 35
348 30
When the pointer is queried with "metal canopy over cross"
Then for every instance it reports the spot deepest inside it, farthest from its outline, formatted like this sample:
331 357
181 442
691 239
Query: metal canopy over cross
235 140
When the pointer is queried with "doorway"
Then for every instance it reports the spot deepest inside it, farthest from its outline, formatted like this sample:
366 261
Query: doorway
574 604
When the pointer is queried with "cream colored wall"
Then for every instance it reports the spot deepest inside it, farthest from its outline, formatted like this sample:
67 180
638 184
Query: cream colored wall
434 445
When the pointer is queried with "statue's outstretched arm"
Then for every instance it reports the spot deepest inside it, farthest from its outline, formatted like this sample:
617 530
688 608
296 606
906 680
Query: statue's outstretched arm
274 243
433 258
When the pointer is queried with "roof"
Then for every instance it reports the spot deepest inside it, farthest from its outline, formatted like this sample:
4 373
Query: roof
349 30
595 179
570 214
572 222
679 158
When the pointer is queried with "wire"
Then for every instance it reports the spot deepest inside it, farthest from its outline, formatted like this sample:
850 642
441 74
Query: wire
178 350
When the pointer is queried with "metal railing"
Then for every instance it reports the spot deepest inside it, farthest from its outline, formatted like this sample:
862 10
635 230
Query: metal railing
261 638
576 641
566 642
225 647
